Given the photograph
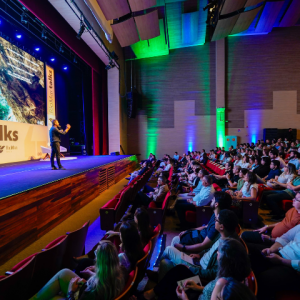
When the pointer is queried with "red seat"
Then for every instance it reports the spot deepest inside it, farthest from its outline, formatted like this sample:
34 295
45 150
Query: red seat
142 264
129 285
201 216
156 233
286 205
75 246
157 215
252 283
48 263
216 187
16 286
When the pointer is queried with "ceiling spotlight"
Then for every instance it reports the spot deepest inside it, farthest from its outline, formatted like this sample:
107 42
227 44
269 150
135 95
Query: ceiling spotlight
24 18
61 49
18 36
81 30
110 65
37 48
44 34
65 68
52 59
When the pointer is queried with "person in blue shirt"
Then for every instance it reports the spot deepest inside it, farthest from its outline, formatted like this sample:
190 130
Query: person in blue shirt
176 156
275 171
294 159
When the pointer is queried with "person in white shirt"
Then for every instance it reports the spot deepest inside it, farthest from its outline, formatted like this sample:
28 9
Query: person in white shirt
245 162
277 268
287 176
237 160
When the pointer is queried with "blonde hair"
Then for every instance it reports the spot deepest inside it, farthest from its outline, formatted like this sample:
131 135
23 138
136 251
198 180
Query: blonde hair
108 280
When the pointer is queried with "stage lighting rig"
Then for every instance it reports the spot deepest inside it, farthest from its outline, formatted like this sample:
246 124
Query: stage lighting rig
110 65
81 30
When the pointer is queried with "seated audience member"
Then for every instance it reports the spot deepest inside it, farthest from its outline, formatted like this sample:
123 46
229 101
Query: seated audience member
293 159
146 166
109 281
227 159
274 155
288 174
233 181
274 171
231 289
245 162
204 159
265 152
158 195
202 198
249 189
201 238
229 258
237 160
292 218
273 199
252 164
167 167
221 180
182 162
222 156
142 220
212 155
264 168
240 183
190 183
176 156
131 247
277 268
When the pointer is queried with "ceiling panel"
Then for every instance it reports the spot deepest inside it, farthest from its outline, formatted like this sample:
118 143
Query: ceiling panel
137 5
148 25
268 16
232 5
253 2
292 15
114 9
224 27
245 19
126 32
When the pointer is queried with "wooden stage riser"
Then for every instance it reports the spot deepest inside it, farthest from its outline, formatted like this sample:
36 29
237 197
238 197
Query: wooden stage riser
26 217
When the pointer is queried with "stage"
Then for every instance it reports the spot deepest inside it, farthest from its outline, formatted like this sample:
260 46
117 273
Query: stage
34 198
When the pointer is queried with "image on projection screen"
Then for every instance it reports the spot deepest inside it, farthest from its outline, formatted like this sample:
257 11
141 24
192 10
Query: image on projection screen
22 86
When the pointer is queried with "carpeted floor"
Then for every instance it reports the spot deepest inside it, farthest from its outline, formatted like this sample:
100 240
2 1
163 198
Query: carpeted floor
22 176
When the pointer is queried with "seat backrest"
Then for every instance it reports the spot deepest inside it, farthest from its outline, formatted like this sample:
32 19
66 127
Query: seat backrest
16 286
143 262
75 246
166 200
252 283
48 263
244 244
238 229
123 203
128 287
156 233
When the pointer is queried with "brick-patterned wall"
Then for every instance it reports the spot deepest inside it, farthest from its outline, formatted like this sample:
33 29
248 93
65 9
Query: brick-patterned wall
257 66
186 74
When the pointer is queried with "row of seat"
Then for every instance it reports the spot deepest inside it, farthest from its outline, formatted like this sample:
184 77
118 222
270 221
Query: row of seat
28 276
112 212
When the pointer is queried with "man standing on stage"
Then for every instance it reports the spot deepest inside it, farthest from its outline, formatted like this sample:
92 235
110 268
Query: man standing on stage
55 143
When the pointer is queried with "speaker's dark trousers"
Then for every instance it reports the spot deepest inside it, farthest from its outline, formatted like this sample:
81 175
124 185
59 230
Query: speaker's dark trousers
55 147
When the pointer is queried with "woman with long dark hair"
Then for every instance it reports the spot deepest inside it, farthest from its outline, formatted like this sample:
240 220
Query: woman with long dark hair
249 189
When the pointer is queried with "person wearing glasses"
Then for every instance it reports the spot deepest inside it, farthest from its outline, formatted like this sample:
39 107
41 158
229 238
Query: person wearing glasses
260 236
109 281
232 262
226 224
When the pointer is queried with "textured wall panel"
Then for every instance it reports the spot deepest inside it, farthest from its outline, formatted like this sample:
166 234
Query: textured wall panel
291 17
257 66
186 74
114 9
224 27
148 25
137 5
232 6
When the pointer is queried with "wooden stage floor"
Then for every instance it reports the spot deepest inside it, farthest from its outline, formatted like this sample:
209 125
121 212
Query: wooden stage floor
34 199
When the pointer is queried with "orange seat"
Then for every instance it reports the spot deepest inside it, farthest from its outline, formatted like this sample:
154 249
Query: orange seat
129 285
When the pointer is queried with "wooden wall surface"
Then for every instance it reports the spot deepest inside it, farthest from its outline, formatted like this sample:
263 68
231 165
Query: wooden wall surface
25 217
